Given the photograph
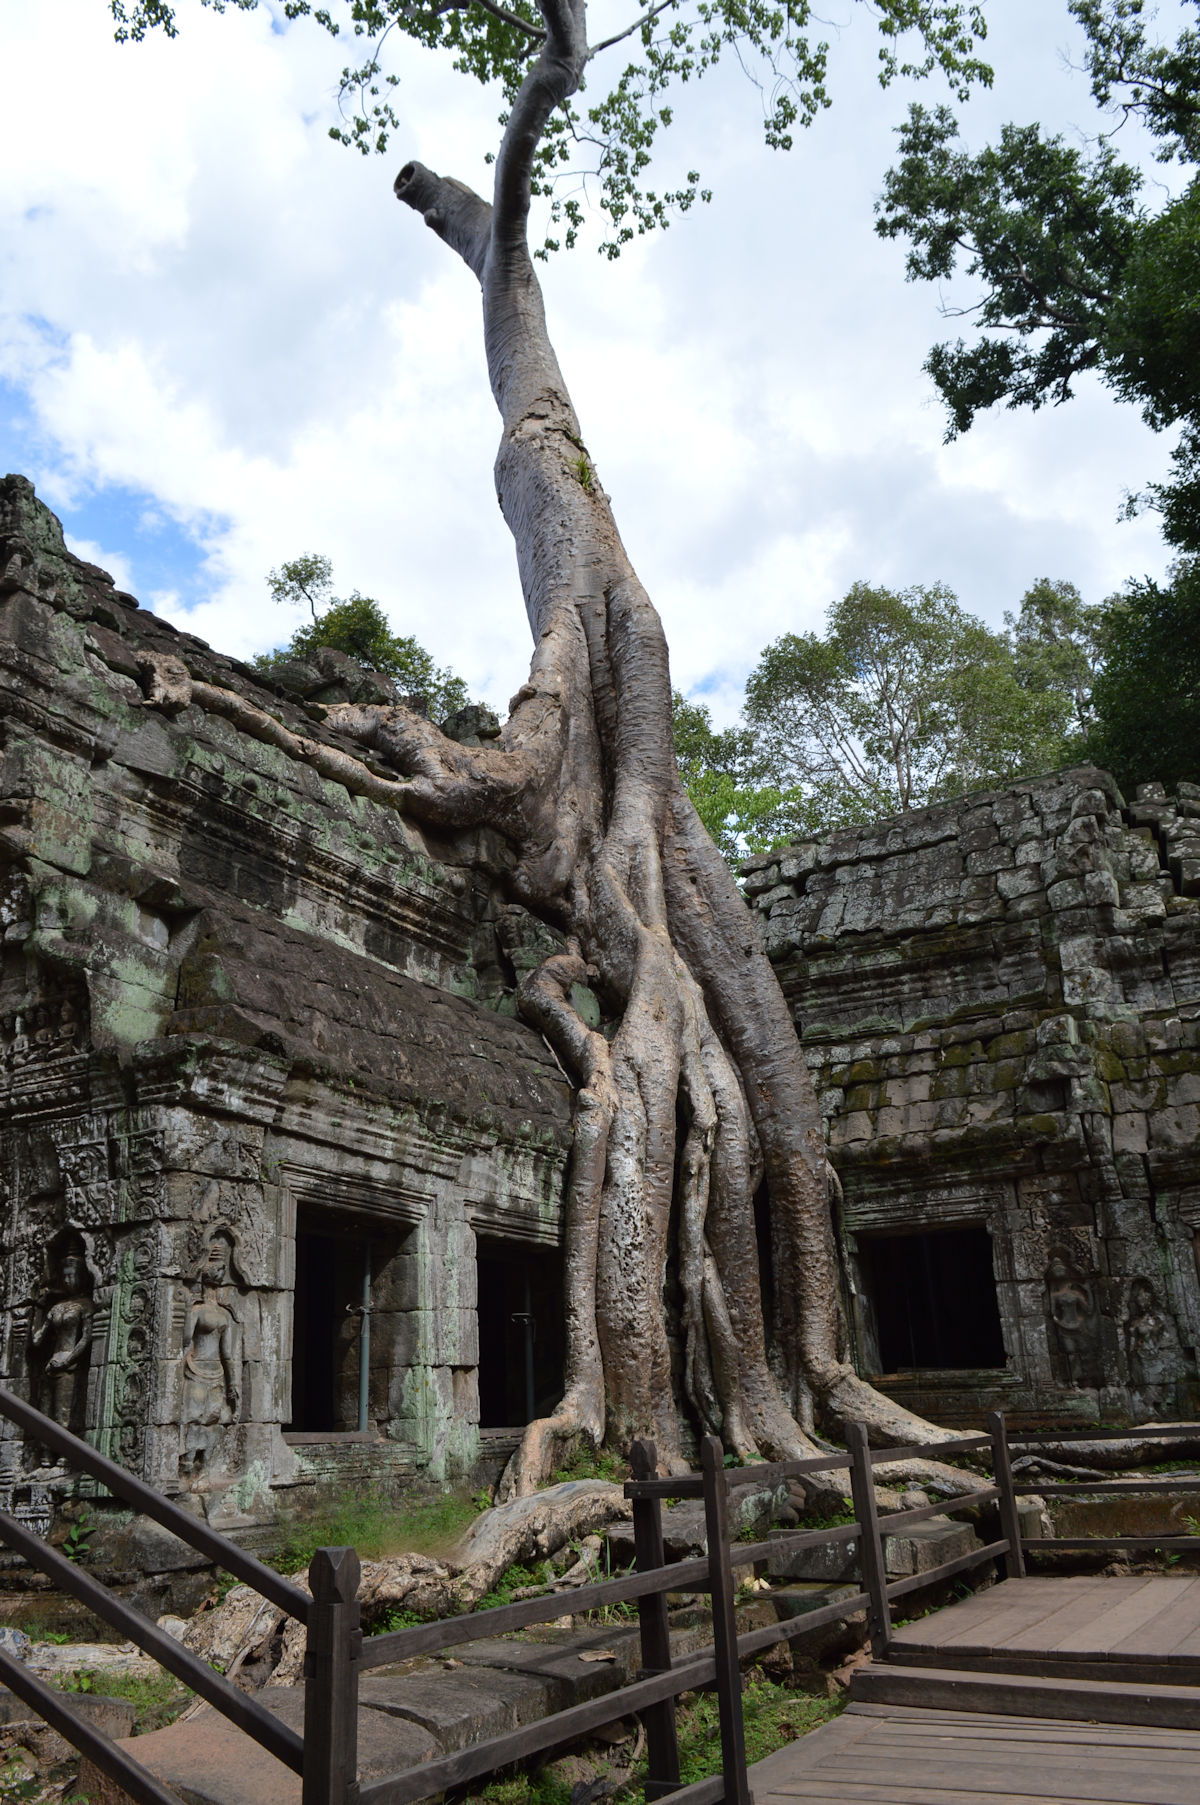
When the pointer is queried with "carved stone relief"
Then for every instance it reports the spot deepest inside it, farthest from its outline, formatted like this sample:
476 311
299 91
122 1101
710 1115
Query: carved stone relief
1151 1344
1074 1323
60 1338
211 1364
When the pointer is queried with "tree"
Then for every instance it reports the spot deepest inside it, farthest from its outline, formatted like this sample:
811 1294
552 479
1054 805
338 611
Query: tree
905 698
1057 641
1076 273
696 1089
1148 695
741 814
359 627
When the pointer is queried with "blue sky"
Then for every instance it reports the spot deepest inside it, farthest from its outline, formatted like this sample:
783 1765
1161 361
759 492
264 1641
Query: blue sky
147 548
222 344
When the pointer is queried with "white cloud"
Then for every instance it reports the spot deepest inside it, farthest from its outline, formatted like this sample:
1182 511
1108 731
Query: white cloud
207 303
115 563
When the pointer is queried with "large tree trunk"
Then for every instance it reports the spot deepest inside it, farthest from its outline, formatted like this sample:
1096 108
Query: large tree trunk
699 1091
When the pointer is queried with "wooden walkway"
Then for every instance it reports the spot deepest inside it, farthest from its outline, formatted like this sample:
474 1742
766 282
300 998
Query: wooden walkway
893 1755
1141 1629
1032 1692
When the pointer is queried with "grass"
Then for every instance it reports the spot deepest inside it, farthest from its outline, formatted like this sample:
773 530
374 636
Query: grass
377 1527
773 1715
586 1465
512 1581
836 1521
157 1698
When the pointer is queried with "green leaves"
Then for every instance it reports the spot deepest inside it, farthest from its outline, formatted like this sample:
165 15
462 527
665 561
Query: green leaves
906 697
1046 232
1148 695
602 151
1071 270
741 813
358 627
134 18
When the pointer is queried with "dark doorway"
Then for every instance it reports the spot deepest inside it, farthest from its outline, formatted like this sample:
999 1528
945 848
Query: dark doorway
520 1333
339 1265
933 1298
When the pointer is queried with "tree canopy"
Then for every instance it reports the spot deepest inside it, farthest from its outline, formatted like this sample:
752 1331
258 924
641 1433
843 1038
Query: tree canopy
1147 696
358 626
603 150
904 698
742 809
1057 642
1075 272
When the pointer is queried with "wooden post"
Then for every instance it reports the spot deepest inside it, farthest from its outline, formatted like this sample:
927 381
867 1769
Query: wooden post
662 1741
331 1679
1010 1521
724 1615
872 1564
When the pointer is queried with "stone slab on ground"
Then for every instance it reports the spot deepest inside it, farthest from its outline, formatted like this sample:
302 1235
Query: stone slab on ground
827 1562
113 1716
60 1660
570 1670
208 1761
805 1596
460 1707
926 1545
752 1508
917 1550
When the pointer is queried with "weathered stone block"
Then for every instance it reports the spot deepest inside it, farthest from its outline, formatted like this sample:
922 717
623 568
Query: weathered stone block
927 1545
826 1562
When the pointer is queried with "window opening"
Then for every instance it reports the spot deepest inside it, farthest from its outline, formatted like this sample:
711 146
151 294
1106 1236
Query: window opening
933 1299
340 1364
520 1333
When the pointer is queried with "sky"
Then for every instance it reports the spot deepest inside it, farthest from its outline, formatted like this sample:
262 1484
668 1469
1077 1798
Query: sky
223 344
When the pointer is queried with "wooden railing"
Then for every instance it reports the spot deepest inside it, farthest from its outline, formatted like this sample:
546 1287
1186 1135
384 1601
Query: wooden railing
652 1694
337 1653
1103 1487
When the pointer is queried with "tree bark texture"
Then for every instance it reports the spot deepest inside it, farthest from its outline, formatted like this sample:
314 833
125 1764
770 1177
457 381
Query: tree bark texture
699 1091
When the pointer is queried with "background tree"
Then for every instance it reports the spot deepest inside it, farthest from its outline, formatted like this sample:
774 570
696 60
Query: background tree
743 811
1074 270
905 698
359 627
1147 696
1057 640
698 1089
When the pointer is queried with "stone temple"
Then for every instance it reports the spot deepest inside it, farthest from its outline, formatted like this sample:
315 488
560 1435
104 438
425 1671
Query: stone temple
281 1166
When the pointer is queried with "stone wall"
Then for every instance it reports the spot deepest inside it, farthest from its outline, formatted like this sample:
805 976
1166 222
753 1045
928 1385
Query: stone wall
999 1000
238 1002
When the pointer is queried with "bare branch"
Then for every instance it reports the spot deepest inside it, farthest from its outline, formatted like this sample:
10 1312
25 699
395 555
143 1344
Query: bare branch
636 25
537 33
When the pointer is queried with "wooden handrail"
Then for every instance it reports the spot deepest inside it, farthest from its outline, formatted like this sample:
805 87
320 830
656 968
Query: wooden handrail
498 1620
130 1775
192 1530
1147 1432
337 1654
238 1706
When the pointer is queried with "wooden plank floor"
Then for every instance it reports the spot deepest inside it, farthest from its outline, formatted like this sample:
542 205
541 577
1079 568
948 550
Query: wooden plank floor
897 1755
1077 1619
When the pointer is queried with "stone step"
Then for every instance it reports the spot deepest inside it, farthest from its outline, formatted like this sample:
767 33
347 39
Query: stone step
914 1550
1027 1695
407 1716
